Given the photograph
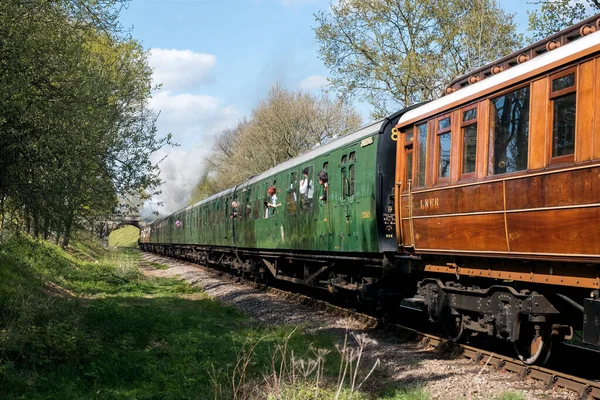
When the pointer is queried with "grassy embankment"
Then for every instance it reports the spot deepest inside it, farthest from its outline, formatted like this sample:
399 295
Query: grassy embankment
126 236
88 324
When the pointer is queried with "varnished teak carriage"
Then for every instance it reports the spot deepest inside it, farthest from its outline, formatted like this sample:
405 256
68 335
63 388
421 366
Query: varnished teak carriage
500 178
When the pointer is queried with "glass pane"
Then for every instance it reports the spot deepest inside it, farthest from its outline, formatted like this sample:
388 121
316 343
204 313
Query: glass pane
470 115
352 156
257 208
444 124
325 166
563 126
409 167
344 159
352 177
469 148
344 183
566 81
422 131
290 207
444 160
409 135
510 141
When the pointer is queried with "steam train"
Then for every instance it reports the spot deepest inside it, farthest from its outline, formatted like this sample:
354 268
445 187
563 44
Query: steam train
480 208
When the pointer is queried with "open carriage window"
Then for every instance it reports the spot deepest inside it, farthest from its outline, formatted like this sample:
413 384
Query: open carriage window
292 195
307 187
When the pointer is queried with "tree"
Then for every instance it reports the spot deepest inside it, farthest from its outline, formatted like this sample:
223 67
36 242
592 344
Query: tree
76 131
555 15
395 53
285 124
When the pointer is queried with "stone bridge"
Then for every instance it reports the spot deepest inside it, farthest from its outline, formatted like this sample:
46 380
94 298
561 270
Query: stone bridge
111 222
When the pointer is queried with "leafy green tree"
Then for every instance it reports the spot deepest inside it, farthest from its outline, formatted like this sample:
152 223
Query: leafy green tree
395 53
76 130
285 124
555 15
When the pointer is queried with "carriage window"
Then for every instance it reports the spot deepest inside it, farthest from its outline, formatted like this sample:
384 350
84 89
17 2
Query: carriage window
409 162
469 140
351 175
352 156
421 154
292 195
344 183
257 202
563 99
344 158
325 166
509 131
408 156
249 204
443 140
307 187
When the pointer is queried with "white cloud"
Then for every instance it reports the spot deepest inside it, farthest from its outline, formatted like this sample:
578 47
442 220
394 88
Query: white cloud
180 69
313 82
192 118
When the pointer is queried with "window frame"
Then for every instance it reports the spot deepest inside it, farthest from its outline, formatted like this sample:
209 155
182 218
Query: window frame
463 125
438 133
292 207
417 155
552 96
490 126
409 148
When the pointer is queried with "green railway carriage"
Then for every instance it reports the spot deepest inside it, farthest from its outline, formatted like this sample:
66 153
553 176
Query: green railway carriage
307 236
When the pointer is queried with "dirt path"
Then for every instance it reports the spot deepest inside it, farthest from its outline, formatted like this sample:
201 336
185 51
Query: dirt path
402 363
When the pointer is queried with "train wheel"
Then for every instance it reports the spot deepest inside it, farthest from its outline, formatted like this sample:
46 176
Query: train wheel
534 347
454 327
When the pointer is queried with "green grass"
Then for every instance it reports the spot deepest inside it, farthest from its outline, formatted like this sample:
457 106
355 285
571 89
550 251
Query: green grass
87 324
510 396
156 265
126 236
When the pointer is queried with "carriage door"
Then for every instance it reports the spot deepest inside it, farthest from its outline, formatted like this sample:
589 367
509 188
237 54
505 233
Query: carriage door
348 201
406 176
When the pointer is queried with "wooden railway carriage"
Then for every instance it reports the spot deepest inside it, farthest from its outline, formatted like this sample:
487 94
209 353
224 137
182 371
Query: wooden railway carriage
500 178
339 243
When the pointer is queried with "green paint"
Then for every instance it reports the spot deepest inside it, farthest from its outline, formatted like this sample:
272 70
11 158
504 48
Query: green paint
345 223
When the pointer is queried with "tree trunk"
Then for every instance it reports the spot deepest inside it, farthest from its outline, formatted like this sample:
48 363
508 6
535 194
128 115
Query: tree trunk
1 216
36 225
27 222
67 232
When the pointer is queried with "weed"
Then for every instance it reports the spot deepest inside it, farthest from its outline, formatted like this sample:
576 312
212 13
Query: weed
510 395
156 265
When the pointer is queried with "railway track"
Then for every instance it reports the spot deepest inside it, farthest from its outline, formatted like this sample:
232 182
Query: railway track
587 389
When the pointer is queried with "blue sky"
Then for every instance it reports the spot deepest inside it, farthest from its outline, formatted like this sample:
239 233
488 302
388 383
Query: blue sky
217 59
